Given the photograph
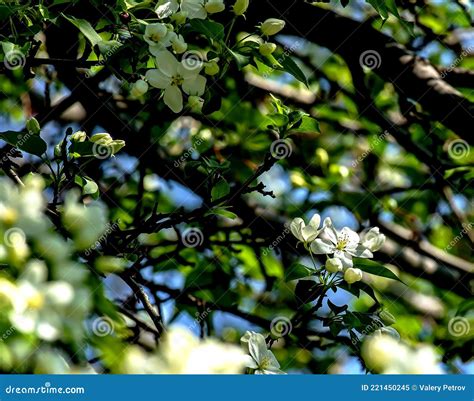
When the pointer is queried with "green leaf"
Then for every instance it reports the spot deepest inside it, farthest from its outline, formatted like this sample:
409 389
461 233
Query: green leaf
220 211
296 271
307 291
375 268
86 29
280 120
208 28
25 141
81 149
291 67
308 124
220 190
356 288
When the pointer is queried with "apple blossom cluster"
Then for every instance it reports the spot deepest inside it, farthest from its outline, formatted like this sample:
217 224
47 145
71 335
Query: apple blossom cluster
385 354
180 352
182 69
339 246
44 292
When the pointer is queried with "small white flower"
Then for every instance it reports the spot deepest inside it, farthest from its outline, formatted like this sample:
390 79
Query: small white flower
343 244
262 359
307 233
373 239
172 75
158 36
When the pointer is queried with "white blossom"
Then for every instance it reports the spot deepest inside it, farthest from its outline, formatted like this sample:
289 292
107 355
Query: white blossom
307 233
262 359
172 76
342 244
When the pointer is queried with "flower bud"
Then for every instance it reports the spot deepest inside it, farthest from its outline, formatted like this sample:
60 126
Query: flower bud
180 17
334 265
195 103
272 26
101 138
214 6
33 126
352 275
212 68
79 136
322 157
266 49
125 17
178 44
240 7
116 145
139 88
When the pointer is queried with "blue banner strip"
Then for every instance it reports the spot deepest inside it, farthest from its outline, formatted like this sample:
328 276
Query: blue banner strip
230 388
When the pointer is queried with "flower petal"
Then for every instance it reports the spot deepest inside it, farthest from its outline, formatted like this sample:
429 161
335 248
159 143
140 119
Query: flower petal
296 227
157 79
195 86
351 237
315 221
174 98
360 252
167 63
345 258
322 247
330 231
309 234
165 8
